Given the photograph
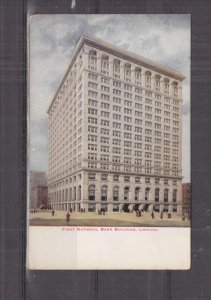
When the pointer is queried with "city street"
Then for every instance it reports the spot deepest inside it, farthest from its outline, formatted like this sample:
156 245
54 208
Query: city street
45 218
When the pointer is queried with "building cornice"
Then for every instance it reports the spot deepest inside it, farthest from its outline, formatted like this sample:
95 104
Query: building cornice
119 52
130 56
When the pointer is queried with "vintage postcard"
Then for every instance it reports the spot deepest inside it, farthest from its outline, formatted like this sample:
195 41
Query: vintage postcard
109 142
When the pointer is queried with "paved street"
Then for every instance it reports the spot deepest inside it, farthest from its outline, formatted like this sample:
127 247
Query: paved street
45 218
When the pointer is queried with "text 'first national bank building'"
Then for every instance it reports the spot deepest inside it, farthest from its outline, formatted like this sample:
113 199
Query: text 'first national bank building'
115 132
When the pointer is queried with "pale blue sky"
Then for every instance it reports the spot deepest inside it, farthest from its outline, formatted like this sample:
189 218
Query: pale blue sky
164 39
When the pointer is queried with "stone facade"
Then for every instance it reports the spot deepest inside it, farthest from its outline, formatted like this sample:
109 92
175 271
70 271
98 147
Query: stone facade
115 131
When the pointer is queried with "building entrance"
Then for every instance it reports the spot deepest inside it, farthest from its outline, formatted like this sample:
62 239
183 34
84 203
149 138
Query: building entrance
115 208
91 207
145 207
166 208
156 208
136 207
126 208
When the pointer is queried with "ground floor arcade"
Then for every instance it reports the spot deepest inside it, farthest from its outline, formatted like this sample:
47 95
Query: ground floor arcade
116 193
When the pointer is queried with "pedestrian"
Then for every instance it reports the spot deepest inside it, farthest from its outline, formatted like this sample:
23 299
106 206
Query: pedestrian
161 215
67 216
139 213
52 213
153 215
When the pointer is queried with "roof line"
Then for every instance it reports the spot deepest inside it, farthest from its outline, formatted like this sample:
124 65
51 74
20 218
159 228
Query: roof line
128 54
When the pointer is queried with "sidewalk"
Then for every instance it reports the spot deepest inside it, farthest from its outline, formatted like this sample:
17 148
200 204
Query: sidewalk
109 219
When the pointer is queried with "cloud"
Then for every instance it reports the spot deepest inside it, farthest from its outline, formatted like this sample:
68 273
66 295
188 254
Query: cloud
164 39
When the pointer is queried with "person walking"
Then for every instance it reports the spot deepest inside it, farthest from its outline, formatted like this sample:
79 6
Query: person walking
52 213
67 216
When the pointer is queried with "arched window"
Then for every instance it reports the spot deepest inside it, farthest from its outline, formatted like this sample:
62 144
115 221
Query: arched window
174 195
91 193
148 79
175 88
126 193
104 193
116 68
137 190
147 190
127 72
157 81
104 62
92 57
166 195
166 84
138 73
116 193
157 192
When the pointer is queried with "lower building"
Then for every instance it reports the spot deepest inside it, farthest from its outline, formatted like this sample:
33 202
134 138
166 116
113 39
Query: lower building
93 191
186 198
39 197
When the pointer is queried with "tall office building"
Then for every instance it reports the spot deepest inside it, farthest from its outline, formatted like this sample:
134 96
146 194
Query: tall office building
115 132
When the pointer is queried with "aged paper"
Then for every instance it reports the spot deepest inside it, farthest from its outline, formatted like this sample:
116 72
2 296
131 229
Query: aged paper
109 142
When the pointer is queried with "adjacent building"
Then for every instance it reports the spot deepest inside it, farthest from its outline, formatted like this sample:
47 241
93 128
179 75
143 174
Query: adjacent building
38 190
115 131
186 198
39 197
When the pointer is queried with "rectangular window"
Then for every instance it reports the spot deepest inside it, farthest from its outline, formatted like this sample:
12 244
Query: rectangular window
126 178
116 125
117 100
116 177
105 105
104 97
117 108
104 157
105 114
91 176
105 80
116 159
117 83
147 179
137 179
116 117
157 180
116 133
116 92
104 122
92 76
104 177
